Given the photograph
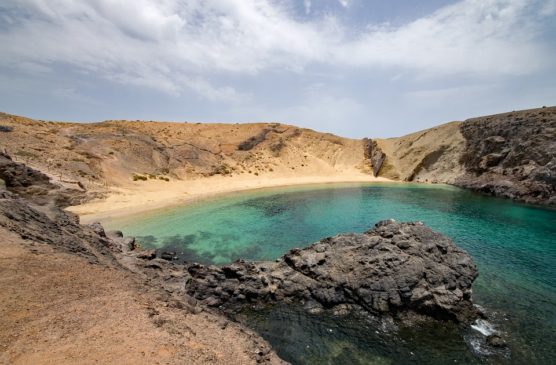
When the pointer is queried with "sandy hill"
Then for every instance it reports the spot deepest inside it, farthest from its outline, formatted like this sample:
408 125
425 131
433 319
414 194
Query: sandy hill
113 153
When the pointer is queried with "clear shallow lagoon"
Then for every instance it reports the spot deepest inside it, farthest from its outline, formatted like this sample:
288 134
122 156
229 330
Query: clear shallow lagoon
513 245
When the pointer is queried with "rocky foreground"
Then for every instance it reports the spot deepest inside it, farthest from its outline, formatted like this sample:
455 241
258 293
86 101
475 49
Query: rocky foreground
74 294
399 269
402 270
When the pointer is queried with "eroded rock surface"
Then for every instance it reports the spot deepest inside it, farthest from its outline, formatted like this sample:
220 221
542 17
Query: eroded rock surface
394 268
512 155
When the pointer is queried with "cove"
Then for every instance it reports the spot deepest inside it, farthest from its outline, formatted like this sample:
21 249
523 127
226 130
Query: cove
513 245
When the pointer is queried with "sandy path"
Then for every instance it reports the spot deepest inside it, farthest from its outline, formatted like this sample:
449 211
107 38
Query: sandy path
154 194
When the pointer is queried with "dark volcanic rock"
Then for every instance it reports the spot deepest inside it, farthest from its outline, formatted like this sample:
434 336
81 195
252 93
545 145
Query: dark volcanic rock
36 186
253 141
395 268
31 208
496 341
512 155
374 154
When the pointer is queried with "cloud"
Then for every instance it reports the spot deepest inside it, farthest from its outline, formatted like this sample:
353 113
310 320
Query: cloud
307 5
173 46
344 3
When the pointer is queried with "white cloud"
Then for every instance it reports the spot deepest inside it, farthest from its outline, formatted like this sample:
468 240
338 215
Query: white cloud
173 45
344 3
487 37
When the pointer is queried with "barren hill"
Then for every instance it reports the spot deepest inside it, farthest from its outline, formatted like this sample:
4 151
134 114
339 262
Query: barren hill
113 153
139 164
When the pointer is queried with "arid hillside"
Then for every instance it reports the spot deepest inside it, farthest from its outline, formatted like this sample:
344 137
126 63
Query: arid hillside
116 153
431 155
511 155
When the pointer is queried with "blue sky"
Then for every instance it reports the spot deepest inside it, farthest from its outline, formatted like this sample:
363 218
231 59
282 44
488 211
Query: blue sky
352 67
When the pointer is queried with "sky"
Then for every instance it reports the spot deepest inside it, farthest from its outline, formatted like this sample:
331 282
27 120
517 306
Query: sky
356 68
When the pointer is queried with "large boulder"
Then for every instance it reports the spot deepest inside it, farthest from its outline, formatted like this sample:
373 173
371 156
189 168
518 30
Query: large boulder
394 268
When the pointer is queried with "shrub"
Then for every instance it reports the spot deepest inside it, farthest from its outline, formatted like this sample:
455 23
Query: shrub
139 177
223 169
6 128
26 154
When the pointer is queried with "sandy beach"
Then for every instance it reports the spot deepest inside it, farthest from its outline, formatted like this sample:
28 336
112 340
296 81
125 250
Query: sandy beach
144 196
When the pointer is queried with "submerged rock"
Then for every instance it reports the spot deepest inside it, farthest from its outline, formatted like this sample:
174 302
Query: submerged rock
394 268
496 341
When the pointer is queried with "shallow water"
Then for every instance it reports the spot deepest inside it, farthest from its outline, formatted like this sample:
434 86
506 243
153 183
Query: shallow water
513 245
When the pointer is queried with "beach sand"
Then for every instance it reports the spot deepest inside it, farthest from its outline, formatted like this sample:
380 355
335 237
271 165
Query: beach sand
149 195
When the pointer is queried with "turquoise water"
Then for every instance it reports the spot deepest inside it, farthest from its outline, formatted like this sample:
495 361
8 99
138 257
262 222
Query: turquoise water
513 245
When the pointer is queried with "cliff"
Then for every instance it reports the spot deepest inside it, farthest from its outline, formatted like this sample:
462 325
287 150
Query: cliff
510 155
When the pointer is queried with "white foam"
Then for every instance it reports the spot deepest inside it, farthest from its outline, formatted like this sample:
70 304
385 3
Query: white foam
478 347
483 327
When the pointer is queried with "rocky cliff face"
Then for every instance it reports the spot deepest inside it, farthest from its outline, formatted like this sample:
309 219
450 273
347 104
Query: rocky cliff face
512 155
31 207
395 268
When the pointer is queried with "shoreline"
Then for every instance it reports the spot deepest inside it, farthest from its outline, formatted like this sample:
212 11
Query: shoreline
155 195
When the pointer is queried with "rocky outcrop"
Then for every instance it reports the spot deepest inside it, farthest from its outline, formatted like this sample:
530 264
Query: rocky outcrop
31 207
253 141
374 154
395 268
512 155
36 186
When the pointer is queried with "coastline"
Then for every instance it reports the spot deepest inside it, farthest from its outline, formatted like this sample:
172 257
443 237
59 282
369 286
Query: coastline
141 197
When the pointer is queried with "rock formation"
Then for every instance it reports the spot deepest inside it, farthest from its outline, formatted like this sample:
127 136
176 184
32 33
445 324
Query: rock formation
395 268
510 155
